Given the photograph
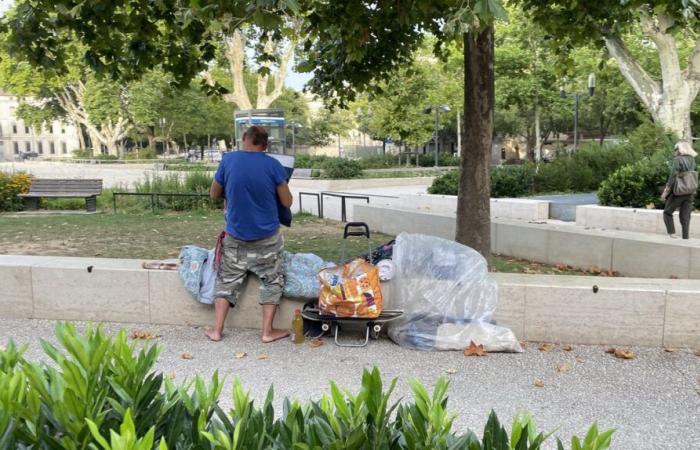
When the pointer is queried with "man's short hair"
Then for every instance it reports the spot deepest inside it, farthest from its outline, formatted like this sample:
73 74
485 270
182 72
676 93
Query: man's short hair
257 135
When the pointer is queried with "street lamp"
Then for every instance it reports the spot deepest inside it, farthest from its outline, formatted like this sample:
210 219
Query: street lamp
576 96
294 126
161 122
436 136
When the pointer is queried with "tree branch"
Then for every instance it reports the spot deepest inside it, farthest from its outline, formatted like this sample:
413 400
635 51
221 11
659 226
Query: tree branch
656 27
235 54
648 90
692 72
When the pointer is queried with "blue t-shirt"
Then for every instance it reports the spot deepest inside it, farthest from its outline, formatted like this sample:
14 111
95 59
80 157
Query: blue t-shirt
250 181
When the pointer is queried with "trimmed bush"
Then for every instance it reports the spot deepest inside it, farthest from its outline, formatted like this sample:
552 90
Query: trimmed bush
11 185
636 185
447 184
311 161
99 391
444 159
338 168
512 181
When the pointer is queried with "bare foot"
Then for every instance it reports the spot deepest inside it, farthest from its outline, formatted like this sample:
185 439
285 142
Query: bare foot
274 335
213 335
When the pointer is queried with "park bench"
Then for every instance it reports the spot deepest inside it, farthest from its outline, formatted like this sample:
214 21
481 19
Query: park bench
63 188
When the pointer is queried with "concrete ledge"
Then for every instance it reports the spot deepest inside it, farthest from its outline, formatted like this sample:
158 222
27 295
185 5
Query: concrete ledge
340 185
630 254
623 311
630 219
505 208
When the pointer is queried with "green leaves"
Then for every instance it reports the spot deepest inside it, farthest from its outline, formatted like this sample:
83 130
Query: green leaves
104 395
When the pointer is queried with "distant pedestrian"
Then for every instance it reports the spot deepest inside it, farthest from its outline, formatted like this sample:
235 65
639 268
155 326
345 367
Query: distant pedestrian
680 189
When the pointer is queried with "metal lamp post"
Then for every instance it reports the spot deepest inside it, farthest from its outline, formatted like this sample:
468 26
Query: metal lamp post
294 126
436 137
577 96
161 122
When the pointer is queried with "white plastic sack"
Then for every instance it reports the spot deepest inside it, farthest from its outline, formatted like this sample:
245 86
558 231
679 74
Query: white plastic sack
494 338
440 282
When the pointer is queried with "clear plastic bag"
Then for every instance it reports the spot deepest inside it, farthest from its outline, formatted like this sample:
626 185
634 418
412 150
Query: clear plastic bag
447 296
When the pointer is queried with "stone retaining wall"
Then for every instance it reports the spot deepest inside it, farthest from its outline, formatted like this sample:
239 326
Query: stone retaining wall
630 254
623 311
631 219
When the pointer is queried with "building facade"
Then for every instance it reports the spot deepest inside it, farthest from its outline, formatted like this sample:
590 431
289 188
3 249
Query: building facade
55 140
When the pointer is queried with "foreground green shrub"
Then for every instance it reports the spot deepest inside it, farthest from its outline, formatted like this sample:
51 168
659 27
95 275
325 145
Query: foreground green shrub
512 181
339 168
11 185
100 391
447 184
636 185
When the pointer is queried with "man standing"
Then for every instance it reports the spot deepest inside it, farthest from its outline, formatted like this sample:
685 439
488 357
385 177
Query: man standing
251 183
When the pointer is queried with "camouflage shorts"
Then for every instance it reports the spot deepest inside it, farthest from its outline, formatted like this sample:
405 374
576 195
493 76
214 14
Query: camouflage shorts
263 258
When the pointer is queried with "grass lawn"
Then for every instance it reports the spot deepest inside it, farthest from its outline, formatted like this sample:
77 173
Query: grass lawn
160 235
155 235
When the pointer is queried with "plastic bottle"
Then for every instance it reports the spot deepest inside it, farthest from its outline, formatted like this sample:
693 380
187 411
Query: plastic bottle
298 327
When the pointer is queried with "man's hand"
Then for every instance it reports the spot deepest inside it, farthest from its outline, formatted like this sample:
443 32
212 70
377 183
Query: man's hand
216 191
664 194
285 195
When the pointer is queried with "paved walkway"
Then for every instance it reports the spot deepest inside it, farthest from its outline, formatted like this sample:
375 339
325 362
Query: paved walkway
653 401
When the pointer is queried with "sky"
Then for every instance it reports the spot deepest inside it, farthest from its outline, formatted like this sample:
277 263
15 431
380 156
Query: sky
293 80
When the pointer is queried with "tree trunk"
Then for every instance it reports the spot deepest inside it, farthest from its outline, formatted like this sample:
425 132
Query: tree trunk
531 142
538 136
473 201
151 136
81 136
96 144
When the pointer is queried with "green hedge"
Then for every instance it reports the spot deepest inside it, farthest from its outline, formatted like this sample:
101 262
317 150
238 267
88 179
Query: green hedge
101 392
582 171
338 168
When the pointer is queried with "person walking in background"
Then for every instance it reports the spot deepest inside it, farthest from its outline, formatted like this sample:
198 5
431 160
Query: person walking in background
251 184
680 189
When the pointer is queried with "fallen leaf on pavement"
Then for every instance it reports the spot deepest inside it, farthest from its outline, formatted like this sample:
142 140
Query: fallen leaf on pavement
474 350
567 348
262 356
580 360
144 335
187 355
544 347
315 343
171 375
566 367
620 353
240 355
670 349
538 383
697 352
451 371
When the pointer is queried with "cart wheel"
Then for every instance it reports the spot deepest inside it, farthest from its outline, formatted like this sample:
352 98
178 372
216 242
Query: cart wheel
325 327
375 331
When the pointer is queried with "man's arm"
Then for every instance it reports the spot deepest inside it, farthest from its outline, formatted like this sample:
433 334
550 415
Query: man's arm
216 191
285 195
